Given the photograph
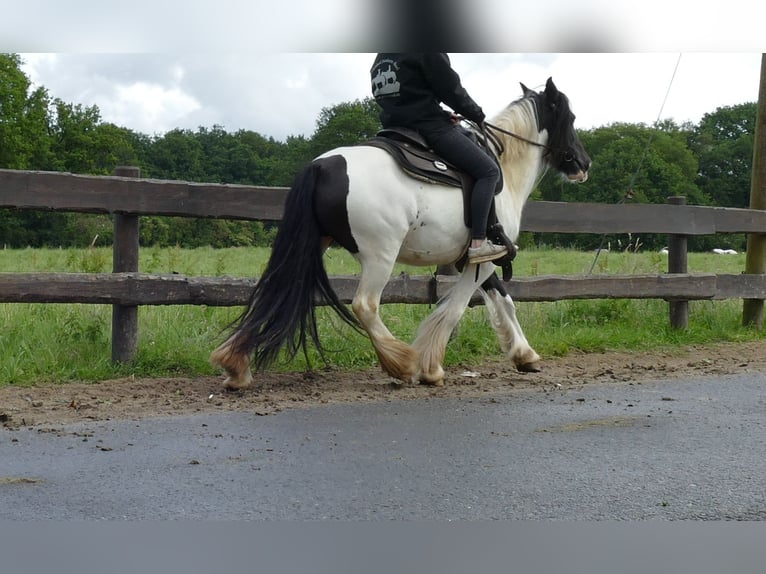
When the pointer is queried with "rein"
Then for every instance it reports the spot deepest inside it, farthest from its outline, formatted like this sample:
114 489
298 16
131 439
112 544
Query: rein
517 136
492 137
567 155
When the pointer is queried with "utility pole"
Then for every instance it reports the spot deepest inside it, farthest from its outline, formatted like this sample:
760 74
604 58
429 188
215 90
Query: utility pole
755 262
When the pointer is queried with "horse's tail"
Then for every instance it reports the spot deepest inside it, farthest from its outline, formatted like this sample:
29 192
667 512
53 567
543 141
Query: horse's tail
281 309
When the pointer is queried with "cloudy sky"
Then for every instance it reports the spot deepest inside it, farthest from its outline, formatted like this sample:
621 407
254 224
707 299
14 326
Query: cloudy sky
271 66
282 94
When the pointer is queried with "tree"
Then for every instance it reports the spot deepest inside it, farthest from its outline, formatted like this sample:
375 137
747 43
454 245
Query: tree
25 143
347 123
723 143
73 132
224 159
631 162
24 119
82 143
295 153
176 155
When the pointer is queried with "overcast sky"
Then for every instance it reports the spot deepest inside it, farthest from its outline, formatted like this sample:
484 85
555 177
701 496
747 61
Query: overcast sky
282 94
272 65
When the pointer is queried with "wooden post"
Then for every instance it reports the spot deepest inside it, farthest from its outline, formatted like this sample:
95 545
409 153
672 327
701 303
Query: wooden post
755 261
125 258
677 263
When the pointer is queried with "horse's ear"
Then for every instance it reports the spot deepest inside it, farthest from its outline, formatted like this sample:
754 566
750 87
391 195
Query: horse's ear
525 90
550 89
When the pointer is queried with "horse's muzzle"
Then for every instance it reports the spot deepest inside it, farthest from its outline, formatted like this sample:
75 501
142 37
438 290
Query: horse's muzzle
579 177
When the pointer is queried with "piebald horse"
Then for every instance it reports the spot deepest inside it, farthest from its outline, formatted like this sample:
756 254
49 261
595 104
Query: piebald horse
358 197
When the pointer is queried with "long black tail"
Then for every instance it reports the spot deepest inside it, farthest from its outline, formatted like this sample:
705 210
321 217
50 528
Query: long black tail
281 309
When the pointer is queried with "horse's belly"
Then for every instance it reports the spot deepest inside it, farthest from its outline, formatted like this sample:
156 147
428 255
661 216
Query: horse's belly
434 244
437 234
423 255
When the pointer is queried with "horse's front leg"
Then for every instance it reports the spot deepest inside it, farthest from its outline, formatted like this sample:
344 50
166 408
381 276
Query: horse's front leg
435 331
502 316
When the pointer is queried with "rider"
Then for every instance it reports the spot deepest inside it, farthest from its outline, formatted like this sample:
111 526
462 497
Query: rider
409 89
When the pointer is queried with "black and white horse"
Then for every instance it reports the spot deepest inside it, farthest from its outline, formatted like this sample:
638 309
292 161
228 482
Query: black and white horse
359 197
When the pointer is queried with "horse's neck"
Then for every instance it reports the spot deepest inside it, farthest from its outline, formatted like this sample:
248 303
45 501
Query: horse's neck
521 163
522 172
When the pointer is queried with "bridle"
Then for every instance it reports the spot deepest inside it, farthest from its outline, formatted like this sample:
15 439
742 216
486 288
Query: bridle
567 155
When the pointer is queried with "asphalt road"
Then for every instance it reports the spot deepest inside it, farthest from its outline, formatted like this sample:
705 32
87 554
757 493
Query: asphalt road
689 449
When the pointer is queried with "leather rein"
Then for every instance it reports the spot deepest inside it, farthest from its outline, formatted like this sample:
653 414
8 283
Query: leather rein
496 141
568 157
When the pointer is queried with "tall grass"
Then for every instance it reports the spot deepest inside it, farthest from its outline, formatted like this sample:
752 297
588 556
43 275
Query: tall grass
59 343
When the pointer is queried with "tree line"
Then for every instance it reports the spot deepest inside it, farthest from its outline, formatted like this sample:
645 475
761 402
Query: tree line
709 162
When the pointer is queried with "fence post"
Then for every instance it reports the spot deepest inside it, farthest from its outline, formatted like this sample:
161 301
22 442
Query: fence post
677 263
125 258
755 263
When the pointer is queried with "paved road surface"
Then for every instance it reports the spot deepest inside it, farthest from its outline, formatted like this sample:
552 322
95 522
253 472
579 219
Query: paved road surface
690 449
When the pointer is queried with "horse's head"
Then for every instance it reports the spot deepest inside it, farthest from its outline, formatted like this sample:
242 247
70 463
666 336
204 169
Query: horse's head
564 151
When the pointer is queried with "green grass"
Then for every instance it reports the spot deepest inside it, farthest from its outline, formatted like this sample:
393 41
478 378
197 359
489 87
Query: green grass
59 343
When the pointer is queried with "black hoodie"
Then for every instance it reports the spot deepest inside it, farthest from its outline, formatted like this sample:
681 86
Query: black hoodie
410 87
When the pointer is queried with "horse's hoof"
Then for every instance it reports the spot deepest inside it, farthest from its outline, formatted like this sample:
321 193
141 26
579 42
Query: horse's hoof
435 379
238 383
532 367
399 378
433 383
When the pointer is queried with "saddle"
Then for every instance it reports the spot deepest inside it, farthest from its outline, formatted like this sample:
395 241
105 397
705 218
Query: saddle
411 152
413 155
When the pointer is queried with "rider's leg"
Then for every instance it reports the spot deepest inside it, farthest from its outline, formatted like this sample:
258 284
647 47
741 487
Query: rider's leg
464 154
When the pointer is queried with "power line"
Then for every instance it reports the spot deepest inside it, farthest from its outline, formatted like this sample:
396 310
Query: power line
629 192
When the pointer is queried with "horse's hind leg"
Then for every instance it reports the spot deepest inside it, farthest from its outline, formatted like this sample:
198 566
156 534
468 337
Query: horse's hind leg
398 359
502 316
235 364
434 332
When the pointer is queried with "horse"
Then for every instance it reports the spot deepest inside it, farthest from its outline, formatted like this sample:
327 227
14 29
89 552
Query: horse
358 197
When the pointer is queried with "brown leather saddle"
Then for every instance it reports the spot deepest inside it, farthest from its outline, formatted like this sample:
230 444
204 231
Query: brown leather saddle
413 155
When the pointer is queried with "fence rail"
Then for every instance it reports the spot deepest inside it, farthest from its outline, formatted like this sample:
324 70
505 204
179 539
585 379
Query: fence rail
128 197
133 289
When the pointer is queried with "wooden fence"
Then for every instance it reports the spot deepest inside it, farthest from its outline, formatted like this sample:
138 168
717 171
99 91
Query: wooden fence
127 197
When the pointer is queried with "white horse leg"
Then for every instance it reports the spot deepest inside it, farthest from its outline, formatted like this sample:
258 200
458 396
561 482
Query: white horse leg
513 342
434 332
398 359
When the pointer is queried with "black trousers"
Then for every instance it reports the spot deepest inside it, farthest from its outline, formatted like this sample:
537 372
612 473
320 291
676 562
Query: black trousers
457 149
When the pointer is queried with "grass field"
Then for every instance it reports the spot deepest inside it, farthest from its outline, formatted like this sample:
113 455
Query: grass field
59 343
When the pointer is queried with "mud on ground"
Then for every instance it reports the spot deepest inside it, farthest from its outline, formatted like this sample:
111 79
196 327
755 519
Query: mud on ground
132 398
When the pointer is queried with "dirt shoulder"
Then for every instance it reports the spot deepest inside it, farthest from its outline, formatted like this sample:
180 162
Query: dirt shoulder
51 404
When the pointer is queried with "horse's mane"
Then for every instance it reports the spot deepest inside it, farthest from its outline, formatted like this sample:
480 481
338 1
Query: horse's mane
519 117
523 117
